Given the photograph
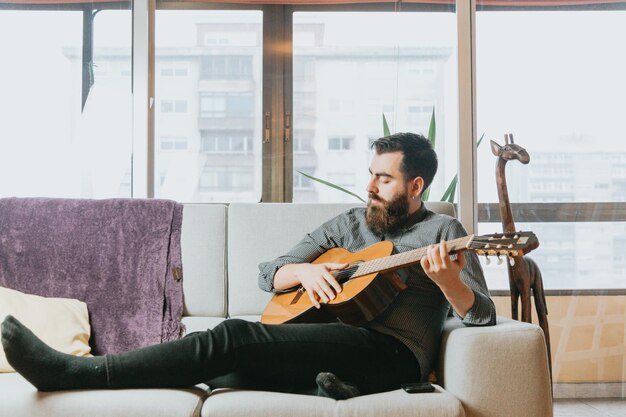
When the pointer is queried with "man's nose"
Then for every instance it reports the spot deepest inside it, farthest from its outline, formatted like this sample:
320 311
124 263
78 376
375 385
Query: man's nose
371 186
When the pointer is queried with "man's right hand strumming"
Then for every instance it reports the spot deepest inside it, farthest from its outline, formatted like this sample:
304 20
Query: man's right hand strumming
316 279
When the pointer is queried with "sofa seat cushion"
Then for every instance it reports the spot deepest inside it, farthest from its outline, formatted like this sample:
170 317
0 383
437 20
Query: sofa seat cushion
18 398
236 403
200 324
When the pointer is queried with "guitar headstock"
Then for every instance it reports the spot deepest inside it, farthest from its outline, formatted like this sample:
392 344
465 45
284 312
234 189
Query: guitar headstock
503 244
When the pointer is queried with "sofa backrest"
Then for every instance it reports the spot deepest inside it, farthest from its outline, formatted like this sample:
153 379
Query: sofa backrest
203 245
222 247
259 232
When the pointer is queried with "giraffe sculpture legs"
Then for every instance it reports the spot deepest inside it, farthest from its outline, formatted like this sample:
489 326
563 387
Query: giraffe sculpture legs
542 310
525 280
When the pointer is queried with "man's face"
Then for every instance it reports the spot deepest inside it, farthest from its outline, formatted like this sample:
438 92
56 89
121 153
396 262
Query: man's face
388 191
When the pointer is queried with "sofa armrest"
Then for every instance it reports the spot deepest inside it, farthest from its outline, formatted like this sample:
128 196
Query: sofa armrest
496 371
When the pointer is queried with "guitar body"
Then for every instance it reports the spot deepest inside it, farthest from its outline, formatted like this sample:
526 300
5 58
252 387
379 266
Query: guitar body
361 299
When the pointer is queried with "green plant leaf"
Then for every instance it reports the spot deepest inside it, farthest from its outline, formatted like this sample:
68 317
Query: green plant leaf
432 135
448 195
330 184
386 131
452 193
432 129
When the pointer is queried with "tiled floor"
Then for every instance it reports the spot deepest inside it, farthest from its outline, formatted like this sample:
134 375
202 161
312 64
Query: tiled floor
590 408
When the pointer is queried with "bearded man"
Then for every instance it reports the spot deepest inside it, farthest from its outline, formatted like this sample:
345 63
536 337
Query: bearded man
336 360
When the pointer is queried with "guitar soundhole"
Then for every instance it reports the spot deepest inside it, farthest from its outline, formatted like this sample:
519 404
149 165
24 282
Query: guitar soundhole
345 274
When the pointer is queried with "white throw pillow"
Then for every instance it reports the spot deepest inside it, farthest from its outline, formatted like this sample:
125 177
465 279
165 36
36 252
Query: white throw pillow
62 323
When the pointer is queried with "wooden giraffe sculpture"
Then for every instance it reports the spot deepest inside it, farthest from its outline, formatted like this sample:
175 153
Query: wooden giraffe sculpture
524 274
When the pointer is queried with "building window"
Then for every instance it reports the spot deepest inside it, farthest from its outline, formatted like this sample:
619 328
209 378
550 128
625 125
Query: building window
169 143
173 106
336 105
215 178
423 68
239 142
300 182
174 69
303 141
180 106
226 67
225 105
167 106
211 39
340 143
420 109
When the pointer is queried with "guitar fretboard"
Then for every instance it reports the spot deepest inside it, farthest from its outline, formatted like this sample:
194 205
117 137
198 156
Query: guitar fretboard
403 259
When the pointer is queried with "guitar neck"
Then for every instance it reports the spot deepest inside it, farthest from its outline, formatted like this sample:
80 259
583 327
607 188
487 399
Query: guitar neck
404 259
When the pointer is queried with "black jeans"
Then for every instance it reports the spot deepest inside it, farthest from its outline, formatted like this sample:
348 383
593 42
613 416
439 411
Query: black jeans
286 357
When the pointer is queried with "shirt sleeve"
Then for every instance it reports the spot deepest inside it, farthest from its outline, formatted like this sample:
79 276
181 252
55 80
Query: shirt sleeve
483 312
325 237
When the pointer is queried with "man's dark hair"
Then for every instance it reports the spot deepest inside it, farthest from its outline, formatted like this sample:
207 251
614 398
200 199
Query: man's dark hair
420 159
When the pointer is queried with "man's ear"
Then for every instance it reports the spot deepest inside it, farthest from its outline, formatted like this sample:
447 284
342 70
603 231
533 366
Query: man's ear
417 186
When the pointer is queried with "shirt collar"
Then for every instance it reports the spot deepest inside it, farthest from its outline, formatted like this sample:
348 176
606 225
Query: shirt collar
416 217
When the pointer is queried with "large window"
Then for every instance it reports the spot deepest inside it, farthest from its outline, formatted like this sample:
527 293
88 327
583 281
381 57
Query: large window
65 100
246 97
561 94
215 102
352 68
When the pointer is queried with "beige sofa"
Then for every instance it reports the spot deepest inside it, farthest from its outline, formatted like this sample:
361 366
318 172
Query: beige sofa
498 371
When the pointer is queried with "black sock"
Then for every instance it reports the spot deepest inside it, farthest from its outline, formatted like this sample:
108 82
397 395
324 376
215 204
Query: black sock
328 385
46 368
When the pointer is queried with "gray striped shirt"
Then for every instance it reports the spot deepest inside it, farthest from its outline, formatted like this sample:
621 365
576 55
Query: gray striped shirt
417 314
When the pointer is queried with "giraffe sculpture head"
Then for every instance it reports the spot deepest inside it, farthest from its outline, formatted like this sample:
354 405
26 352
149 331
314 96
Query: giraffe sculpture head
510 150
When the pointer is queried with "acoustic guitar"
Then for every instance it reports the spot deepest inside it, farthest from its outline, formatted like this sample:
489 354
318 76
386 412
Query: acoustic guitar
369 283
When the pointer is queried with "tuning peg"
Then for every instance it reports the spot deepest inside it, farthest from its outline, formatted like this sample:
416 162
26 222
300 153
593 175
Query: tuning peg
500 260
511 261
487 259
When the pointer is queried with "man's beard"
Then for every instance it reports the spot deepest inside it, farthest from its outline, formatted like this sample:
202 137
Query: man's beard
389 217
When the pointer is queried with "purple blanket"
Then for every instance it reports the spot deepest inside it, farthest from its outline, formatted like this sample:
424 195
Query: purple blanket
120 256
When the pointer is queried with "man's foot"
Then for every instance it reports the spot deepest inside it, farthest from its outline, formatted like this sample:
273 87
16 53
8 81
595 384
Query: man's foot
46 368
328 385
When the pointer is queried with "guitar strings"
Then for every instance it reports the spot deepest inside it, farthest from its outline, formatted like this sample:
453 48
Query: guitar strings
346 274
413 256
392 261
